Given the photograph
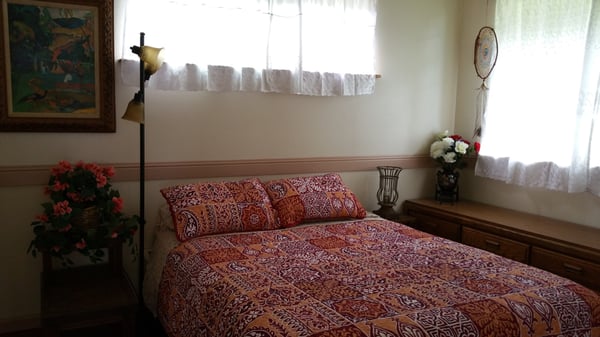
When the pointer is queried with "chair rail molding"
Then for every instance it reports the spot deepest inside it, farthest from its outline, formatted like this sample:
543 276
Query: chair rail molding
38 174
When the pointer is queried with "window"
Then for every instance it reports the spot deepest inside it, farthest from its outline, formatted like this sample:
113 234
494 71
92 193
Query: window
540 128
312 47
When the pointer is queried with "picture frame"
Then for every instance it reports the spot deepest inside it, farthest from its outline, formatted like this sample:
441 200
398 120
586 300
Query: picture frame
57 66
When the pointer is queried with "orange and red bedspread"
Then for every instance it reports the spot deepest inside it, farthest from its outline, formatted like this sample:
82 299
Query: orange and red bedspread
362 278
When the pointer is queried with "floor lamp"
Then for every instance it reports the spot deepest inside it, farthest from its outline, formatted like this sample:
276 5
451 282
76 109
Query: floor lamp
150 62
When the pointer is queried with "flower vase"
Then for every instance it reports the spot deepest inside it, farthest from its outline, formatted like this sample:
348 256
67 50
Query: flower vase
88 218
447 184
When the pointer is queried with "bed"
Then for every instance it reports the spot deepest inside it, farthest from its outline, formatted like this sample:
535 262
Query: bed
339 271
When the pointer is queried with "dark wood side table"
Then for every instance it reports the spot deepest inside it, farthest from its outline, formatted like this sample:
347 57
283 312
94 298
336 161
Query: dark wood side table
94 300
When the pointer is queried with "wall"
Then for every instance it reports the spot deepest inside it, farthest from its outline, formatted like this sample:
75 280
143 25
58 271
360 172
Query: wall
418 50
583 208
425 57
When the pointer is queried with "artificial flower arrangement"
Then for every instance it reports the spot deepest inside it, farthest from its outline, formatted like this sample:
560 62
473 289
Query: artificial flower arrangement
84 213
451 150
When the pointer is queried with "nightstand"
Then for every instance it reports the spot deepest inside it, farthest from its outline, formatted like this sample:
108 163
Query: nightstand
94 300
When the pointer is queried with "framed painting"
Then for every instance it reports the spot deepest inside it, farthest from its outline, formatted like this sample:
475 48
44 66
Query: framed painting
57 66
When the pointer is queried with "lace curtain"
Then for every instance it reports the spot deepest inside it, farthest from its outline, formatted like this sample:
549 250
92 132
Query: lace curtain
309 47
541 124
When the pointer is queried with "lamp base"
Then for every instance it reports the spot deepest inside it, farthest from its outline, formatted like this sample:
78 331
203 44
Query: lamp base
386 212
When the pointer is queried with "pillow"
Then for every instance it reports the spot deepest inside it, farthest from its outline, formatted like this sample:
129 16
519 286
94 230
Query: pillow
219 207
323 197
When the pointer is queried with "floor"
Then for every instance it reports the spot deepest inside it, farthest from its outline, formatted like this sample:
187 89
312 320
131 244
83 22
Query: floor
147 327
148 332
152 328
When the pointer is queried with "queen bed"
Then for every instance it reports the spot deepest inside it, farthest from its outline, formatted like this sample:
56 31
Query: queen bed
301 257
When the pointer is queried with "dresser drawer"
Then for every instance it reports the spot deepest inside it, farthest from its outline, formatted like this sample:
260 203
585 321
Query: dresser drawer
582 271
436 226
511 249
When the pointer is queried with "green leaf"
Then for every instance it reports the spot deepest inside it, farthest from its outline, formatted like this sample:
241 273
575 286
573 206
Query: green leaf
39 229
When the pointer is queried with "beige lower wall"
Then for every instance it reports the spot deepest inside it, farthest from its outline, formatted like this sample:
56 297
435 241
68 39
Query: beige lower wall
20 284
581 208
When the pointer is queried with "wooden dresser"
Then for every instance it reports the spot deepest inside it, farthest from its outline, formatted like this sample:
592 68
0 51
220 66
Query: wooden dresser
561 247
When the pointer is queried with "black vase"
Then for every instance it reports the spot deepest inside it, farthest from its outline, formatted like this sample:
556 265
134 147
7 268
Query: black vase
446 188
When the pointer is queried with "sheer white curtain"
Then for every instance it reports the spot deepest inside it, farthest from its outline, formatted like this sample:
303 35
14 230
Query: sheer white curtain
541 124
310 47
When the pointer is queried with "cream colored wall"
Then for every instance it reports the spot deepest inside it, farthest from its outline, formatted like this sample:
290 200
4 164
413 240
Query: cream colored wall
582 208
417 56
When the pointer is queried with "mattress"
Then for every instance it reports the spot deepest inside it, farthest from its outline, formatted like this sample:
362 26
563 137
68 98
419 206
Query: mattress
369 277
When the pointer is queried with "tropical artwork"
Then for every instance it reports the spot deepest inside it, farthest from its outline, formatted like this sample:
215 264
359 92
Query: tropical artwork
51 59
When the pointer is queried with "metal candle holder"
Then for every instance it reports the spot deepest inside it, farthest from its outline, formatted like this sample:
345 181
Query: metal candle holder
387 194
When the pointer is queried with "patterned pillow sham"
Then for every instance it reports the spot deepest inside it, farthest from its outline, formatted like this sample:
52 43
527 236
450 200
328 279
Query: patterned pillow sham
219 207
313 198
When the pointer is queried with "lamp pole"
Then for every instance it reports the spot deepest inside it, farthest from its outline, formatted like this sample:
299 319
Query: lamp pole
150 61
142 181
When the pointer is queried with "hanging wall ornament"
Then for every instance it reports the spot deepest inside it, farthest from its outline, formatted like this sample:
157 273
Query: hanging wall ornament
486 53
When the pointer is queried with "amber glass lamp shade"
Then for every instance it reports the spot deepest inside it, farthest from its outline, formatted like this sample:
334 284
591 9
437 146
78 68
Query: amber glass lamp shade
152 57
135 110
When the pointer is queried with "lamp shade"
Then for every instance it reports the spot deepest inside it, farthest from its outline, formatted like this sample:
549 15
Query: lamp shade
135 111
153 58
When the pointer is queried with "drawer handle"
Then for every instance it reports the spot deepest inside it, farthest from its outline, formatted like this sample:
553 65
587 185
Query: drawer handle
494 244
573 268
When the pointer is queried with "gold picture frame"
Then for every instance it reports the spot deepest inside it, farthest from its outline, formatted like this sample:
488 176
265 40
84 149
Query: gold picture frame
57 66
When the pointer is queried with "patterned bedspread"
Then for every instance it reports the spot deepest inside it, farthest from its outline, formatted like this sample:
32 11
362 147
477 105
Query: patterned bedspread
362 278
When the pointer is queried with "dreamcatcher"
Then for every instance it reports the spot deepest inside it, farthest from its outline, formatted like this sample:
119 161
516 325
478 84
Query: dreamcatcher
486 53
